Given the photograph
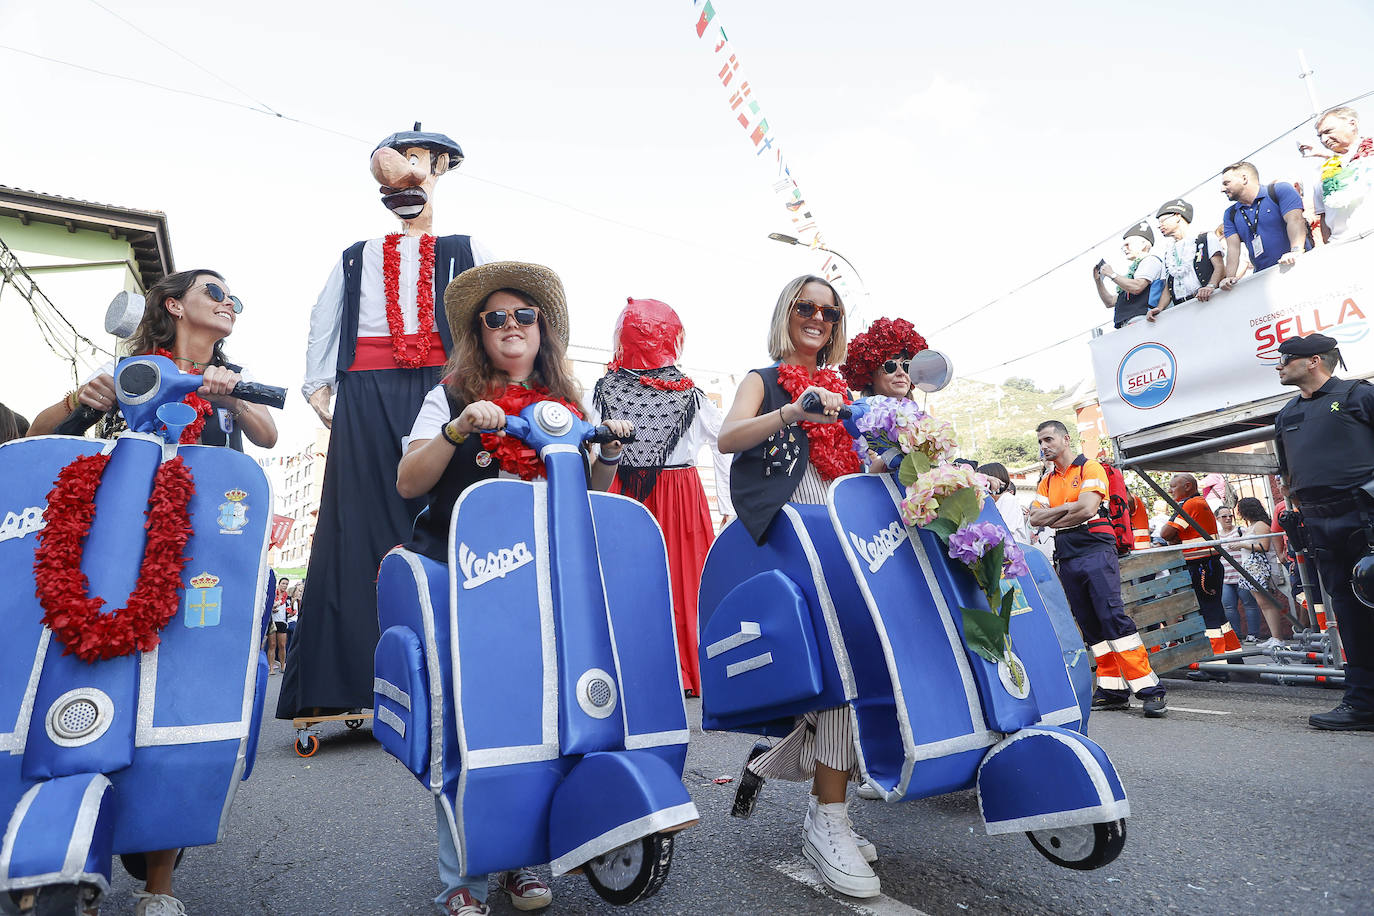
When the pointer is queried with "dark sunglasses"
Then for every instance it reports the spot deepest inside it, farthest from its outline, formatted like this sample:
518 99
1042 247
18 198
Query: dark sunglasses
496 319
1286 358
806 308
218 294
892 365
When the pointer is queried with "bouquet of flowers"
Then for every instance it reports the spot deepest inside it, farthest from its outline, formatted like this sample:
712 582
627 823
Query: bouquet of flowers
885 421
946 498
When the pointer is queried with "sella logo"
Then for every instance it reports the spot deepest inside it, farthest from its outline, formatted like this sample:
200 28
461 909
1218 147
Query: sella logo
1146 376
1349 327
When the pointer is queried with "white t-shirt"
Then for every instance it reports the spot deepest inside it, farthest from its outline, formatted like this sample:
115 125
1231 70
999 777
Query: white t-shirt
1178 263
1014 516
279 609
1350 212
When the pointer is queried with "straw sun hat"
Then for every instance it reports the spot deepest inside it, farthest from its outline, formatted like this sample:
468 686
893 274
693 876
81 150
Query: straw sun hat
467 291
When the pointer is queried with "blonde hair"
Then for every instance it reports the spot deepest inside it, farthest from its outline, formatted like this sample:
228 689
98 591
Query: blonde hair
780 341
472 377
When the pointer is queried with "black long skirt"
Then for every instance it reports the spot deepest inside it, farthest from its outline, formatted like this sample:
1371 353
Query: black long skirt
361 518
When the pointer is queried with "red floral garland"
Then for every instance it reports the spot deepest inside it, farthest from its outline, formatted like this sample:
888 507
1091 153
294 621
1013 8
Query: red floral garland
832 450
1363 149
424 300
203 408
515 456
73 616
663 384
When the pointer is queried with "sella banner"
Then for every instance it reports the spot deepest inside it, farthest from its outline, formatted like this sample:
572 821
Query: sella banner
1201 357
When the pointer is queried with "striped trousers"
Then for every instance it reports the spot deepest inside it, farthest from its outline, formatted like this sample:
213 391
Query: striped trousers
824 736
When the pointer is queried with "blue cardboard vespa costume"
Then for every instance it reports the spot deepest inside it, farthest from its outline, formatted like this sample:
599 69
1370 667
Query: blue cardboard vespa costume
110 720
525 673
377 344
867 601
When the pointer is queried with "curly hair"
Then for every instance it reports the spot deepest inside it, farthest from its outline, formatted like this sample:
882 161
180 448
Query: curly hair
886 337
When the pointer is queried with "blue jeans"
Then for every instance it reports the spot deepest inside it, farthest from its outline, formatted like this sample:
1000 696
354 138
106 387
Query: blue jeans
449 872
1230 593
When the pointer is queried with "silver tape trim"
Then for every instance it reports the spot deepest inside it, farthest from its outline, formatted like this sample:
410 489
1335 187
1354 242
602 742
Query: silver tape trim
656 739
1062 716
193 734
832 621
748 632
1107 807
79 846
625 833
20 812
487 757
558 448
389 718
14 741
1094 815
749 664
383 687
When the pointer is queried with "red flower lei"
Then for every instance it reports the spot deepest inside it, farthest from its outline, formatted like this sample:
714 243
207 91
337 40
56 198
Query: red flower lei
663 384
203 408
515 456
832 450
424 300
1363 149
73 616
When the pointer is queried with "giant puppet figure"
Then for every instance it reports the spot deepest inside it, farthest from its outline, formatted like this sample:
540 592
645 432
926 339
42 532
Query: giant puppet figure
673 419
377 345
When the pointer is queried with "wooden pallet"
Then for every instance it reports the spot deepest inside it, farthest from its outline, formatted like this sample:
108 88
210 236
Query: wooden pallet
1158 595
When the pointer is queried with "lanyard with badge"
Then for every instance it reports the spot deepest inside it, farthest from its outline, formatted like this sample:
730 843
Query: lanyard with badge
1251 216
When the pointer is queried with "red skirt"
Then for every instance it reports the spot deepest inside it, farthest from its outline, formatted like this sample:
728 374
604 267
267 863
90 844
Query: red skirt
679 503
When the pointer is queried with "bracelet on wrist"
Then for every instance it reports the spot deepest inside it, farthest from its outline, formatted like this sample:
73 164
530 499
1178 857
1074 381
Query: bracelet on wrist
782 418
604 460
71 400
454 439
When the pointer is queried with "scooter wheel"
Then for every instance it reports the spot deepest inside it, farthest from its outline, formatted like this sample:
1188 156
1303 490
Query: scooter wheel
632 872
1082 846
308 747
353 723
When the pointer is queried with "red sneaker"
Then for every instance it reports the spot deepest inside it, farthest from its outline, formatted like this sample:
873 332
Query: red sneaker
527 891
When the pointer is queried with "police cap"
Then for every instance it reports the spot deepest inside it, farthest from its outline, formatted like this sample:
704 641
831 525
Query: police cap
1311 345
1177 206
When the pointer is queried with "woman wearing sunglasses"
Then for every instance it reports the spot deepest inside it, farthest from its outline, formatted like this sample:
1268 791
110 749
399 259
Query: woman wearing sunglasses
878 363
186 318
510 336
783 454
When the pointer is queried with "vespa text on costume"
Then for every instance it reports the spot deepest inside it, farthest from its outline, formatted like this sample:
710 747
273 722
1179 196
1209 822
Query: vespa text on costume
479 571
25 521
882 545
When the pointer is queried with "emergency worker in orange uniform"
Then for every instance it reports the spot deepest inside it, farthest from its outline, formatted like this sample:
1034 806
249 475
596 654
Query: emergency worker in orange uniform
1070 501
1204 567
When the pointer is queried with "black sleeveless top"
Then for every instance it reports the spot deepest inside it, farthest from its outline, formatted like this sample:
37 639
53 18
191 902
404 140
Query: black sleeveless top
765 476
430 534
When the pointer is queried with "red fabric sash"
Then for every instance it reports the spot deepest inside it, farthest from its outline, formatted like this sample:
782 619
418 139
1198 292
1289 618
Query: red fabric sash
376 353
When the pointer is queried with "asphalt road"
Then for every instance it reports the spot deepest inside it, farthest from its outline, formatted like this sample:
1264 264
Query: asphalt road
1237 807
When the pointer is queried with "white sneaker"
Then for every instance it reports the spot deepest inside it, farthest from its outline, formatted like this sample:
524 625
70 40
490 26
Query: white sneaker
866 847
868 791
1273 642
157 905
830 846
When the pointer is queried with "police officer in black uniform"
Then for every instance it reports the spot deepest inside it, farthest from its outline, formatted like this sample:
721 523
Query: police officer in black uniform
1325 440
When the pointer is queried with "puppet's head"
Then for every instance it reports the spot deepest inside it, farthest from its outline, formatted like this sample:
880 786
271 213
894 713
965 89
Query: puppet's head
648 335
407 165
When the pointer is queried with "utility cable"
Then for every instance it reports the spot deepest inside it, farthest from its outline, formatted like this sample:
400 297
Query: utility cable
153 38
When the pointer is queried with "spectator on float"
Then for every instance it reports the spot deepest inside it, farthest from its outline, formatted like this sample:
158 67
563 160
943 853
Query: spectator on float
1347 177
1266 218
1139 290
1193 263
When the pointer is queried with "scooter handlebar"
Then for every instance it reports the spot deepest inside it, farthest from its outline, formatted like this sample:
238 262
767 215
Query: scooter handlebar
519 427
84 417
811 403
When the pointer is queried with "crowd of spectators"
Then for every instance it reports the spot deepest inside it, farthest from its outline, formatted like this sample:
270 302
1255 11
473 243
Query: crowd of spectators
1266 225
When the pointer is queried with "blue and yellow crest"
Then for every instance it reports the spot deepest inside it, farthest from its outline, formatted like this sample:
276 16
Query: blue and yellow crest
203 600
233 512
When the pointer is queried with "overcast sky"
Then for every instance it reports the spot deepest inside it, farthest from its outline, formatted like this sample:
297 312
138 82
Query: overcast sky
951 153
